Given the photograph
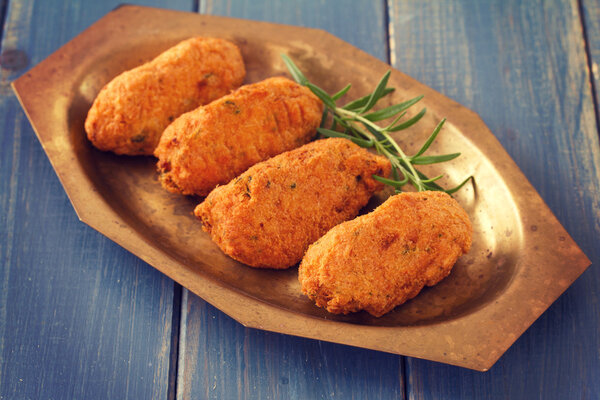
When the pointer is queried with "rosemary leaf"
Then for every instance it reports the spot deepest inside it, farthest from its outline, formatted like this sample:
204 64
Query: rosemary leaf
423 160
393 183
358 141
342 92
397 118
377 134
294 70
359 103
457 188
431 185
408 123
390 111
324 118
377 93
321 94
432 179
431 138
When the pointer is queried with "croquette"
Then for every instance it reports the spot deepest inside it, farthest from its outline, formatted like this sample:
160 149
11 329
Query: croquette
268 216
131 111
382 259
213 144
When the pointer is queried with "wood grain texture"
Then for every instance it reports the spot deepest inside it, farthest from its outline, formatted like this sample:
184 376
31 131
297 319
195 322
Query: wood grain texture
363 25
219 358
79 316
591 19
522 67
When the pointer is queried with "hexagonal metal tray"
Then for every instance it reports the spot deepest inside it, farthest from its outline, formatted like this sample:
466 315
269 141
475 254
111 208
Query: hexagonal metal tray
521 261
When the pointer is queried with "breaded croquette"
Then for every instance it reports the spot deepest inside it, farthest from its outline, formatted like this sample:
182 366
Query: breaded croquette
269 215
213 144
131 111
382 259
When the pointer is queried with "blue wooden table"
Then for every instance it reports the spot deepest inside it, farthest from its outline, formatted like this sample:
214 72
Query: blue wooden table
81 318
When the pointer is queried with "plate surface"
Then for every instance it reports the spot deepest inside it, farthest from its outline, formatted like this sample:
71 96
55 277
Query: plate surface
522 259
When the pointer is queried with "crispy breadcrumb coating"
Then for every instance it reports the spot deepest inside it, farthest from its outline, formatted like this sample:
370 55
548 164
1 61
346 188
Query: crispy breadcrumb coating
131 111
213 144
382 259
269 215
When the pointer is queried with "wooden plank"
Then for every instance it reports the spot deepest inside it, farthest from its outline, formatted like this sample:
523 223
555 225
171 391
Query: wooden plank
522 67
590 10
79 316
219 358
362 25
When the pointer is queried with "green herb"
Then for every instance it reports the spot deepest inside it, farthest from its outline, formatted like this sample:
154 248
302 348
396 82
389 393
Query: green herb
233 106
356 121
138 138
247 186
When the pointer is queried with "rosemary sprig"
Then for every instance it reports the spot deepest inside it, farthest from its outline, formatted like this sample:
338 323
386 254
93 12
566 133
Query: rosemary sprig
355 121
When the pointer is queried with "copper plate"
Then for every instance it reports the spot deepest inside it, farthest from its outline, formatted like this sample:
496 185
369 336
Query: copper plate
521 261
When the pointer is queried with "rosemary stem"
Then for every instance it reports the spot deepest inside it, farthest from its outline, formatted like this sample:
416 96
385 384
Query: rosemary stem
357 117
358 125
417 179
352 116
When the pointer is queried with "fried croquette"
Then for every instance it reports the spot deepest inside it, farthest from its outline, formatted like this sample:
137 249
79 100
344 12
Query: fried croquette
213 144
382 259
131 111
269 215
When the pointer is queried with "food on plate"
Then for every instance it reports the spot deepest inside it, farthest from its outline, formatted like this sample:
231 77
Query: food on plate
356 121
382 259
213 144
268 216
131 111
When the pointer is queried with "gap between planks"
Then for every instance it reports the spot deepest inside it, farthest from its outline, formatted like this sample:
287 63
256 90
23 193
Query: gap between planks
589 61
175 338
3 8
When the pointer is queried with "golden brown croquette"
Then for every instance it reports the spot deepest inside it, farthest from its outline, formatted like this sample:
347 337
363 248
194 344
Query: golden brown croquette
131 111
213 144
382 259
268 216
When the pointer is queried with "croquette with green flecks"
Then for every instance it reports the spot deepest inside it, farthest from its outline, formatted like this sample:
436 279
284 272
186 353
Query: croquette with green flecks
213 144
131 112
382 259
269 215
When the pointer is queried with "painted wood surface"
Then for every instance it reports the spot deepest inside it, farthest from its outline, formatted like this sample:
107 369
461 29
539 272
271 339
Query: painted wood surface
80 318
522 67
